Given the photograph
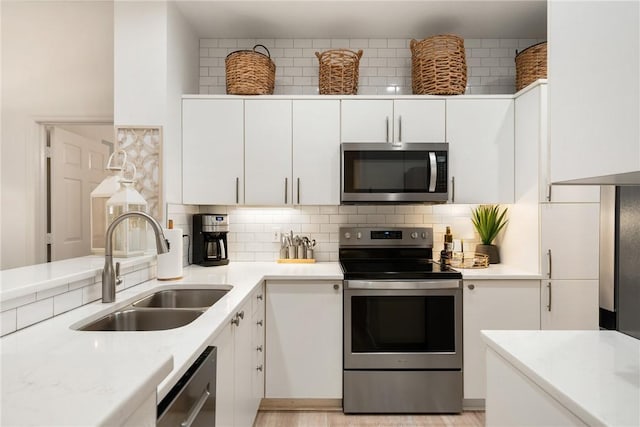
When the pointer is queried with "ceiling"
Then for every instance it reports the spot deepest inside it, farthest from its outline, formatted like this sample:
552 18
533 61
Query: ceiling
366 19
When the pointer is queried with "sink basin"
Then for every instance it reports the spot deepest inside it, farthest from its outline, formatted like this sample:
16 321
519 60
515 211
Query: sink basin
182 298
132 319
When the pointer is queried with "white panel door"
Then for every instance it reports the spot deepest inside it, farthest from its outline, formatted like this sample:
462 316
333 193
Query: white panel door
212 151
304 340
316 152
77 167
570 240
497 304
417 120
367 120
268 152
569 304
480 133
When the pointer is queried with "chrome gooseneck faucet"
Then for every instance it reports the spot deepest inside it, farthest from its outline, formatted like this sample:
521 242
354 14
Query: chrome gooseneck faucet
109 276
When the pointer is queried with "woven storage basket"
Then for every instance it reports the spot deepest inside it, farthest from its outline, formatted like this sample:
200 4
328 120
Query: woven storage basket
531 65
438 65
339 70
250 72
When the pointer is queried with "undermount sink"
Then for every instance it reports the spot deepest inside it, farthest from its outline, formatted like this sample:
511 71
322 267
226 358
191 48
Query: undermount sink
159 311
143 320
182 298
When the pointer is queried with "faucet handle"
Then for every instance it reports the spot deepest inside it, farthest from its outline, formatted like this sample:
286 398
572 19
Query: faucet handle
118 278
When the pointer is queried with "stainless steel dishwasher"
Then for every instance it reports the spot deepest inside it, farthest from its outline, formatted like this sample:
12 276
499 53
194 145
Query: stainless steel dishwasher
192 401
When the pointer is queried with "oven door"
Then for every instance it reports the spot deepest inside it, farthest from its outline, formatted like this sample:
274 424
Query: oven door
387 173
403 325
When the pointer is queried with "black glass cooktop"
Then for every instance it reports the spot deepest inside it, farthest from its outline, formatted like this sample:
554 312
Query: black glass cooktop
380 269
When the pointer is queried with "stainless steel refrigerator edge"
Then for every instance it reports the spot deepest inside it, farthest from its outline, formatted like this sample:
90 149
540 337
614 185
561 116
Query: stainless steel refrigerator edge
620 259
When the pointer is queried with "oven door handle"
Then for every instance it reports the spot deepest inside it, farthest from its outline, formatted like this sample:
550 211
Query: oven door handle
385 284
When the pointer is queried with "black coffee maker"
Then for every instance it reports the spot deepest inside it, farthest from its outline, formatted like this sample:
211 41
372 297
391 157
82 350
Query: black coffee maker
210 239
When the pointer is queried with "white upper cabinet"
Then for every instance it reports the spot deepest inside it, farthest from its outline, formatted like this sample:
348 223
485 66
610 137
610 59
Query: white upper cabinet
316 152
366 120
480 133
212 151
393 121
417 120
268 152
594 89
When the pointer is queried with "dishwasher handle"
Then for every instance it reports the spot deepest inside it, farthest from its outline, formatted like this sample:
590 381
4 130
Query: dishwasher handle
197 407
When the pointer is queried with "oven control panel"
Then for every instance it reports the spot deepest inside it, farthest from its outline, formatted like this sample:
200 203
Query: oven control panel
392 236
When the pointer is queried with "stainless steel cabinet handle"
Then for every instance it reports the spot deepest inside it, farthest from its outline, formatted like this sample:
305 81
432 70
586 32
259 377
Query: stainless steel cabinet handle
549 258
259 348
241 314
195 409
471 286
237 190
259 368
453 189
399 128
549 305
549 187
298 190
387 128
259 323
259 297
336 287
235 320
286 187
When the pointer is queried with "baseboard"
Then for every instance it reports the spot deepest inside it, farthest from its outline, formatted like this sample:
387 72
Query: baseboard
473 404
271 404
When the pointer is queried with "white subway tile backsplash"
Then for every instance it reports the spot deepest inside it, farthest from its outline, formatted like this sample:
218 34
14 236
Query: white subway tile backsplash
67 301
33 313
52 292
8 322
92 293
17 302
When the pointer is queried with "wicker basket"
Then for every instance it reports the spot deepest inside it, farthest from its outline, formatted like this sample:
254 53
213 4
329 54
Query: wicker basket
531 65
438 65
250 72
338 74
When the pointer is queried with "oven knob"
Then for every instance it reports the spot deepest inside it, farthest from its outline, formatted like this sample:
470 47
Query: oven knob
359 235
414 235
347 235
424 235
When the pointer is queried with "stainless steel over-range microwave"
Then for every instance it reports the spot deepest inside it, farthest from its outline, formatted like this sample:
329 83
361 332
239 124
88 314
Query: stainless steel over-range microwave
383 173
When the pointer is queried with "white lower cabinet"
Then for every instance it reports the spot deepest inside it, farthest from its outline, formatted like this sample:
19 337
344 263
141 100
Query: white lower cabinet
569 304
493 304
238 390
304 340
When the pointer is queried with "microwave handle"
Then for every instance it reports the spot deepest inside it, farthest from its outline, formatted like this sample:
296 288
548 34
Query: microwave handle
434 172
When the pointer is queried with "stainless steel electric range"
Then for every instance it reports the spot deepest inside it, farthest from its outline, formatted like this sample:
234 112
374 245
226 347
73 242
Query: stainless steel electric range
402 323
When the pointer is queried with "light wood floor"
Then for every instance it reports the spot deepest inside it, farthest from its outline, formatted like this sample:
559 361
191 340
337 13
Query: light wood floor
338 419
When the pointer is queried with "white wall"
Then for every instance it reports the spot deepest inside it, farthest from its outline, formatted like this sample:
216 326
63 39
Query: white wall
57 64
182 78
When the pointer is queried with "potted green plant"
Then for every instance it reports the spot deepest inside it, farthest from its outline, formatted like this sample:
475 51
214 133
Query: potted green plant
488 222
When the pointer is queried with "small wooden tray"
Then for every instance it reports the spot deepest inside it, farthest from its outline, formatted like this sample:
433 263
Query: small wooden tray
295 261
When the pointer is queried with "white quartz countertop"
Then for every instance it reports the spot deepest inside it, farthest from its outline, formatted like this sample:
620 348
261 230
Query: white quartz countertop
594 374
498 272
54 375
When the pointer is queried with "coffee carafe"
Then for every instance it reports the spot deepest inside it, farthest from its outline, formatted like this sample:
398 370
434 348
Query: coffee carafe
210 239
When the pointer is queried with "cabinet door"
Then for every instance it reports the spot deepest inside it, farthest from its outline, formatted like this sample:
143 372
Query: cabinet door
316 152
419 120
304 340
570 304
570 231
367 120
244 411
493 304
268 152
224 377
593 132
212 151
257 348
481 150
